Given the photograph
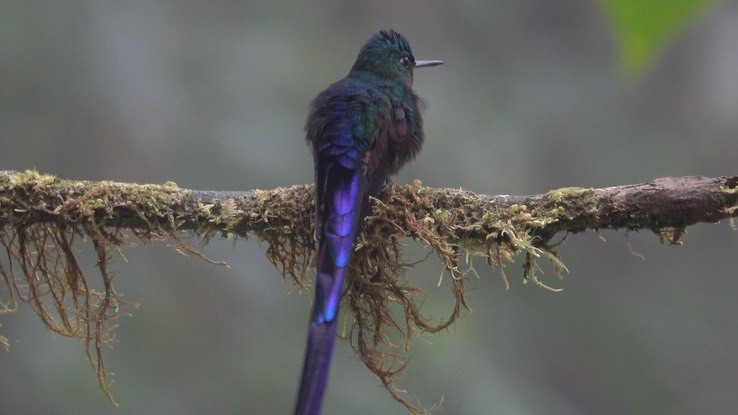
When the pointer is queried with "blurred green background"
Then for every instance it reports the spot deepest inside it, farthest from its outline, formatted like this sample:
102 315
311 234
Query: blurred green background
213 95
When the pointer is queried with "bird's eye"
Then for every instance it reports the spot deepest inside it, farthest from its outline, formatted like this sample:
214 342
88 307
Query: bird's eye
405 61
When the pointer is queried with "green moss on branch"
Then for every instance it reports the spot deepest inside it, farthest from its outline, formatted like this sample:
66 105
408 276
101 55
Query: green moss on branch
44 217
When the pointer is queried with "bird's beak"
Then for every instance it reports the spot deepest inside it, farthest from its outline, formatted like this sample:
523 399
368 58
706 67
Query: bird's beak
420 64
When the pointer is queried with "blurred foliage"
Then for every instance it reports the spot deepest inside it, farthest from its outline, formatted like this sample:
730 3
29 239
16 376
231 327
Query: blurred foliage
644 28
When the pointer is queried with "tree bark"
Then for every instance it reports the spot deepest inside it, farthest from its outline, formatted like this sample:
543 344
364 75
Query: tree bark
29 198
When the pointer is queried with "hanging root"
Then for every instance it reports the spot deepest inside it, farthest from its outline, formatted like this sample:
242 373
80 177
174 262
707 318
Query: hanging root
44 236
385 307
43 270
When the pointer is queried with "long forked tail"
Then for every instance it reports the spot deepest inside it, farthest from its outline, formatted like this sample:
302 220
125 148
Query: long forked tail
316 367
342 212
321 337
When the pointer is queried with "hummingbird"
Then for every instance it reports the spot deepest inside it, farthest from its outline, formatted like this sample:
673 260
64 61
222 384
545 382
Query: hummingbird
362 129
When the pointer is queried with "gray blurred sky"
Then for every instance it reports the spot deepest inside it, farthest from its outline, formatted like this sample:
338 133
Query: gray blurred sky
213 96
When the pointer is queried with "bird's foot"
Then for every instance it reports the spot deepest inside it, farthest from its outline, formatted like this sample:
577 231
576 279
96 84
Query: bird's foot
387 184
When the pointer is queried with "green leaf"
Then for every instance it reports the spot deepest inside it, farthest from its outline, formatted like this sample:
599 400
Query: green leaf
645 27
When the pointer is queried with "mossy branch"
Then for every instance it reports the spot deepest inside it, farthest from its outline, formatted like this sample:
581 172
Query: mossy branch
43 217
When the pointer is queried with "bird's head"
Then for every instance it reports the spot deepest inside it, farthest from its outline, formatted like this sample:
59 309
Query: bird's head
388 55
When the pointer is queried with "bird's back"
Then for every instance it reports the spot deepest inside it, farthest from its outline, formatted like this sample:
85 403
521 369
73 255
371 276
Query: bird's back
363 122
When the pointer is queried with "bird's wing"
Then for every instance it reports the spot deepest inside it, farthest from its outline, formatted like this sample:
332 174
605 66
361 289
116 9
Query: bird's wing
393 144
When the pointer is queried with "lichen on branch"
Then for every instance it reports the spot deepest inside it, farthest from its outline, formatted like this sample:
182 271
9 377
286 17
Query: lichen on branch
44 221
